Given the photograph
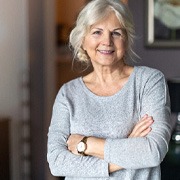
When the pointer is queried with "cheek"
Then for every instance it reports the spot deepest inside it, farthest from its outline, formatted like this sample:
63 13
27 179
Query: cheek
89 44
122 46
90 49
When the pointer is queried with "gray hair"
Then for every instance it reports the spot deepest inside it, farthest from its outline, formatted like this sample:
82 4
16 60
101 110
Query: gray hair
93 12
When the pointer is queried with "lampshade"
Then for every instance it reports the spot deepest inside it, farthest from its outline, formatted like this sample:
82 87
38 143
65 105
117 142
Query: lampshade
174 91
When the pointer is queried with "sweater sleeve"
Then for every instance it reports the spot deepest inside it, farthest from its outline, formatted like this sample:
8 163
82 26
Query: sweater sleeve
61 161
149 151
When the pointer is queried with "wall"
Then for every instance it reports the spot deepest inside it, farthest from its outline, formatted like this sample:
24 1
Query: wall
42 84
67 11
50 57
165 59
13 61
21 27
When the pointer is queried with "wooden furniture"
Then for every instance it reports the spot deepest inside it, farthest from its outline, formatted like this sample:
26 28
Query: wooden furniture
64 70
4 149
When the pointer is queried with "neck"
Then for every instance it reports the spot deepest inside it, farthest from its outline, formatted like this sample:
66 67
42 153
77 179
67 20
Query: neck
107 75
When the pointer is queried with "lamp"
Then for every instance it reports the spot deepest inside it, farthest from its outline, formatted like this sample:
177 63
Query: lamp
174 91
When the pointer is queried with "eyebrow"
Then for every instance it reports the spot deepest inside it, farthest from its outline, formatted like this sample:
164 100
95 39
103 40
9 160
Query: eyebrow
102 29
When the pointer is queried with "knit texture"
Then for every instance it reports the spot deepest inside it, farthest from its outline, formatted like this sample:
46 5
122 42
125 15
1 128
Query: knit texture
77 110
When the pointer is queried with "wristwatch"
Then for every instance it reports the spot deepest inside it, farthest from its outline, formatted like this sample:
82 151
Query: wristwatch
82 146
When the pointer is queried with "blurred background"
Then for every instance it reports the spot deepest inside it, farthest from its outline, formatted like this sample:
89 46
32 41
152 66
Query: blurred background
35 61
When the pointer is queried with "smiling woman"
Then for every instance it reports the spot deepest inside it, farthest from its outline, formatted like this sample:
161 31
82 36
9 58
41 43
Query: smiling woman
78 33
112 123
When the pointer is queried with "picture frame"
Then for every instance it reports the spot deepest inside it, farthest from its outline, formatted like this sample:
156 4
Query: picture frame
162 25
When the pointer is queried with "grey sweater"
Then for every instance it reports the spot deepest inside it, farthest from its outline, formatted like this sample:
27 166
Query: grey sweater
78 111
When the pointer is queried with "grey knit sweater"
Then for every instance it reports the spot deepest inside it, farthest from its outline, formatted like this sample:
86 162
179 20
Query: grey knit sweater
78 111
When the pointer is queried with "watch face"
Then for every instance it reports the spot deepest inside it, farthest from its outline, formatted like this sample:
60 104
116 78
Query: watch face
81 147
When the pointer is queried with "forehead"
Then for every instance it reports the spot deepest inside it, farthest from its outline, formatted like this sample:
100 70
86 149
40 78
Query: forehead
110 20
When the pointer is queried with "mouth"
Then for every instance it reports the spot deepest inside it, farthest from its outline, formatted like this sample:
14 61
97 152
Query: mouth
106 51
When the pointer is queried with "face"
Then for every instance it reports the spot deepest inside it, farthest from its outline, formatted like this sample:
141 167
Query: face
105 42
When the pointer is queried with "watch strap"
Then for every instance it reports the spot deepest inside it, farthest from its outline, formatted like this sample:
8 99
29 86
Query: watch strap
84 139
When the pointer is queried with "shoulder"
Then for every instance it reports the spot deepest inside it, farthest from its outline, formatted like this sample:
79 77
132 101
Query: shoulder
147 77
144 72
73 82
148 70
70 87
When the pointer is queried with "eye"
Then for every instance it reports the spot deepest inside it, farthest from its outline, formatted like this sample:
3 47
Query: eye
97 33
116 33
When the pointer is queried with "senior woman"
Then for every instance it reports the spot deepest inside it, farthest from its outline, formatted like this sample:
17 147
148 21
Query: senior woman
113 123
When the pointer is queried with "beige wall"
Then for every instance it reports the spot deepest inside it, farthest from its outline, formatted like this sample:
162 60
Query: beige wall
13 61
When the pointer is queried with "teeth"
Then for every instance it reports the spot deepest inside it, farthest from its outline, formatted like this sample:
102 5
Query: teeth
106 51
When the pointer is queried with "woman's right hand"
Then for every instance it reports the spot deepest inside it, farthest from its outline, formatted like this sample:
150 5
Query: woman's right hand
143 127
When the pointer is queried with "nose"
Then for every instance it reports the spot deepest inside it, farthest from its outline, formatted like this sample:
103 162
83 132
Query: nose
107 39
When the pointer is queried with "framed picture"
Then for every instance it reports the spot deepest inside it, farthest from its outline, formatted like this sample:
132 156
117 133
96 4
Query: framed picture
163 23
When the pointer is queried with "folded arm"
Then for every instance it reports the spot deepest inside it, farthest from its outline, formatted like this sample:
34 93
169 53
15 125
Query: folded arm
95 146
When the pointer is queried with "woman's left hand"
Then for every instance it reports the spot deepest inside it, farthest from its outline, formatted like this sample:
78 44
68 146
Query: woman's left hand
72 142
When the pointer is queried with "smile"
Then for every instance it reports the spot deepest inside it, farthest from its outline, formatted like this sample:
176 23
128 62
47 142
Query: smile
106 51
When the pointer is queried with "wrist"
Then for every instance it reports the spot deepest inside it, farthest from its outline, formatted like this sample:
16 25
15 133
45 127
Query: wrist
82 146
95 147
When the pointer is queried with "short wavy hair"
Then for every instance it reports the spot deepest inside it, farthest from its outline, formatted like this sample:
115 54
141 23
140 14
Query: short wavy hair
93 12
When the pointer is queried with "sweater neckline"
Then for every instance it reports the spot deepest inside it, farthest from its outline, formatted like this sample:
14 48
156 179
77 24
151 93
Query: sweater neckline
93 95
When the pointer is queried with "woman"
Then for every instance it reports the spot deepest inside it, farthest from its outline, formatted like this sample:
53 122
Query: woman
113 123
